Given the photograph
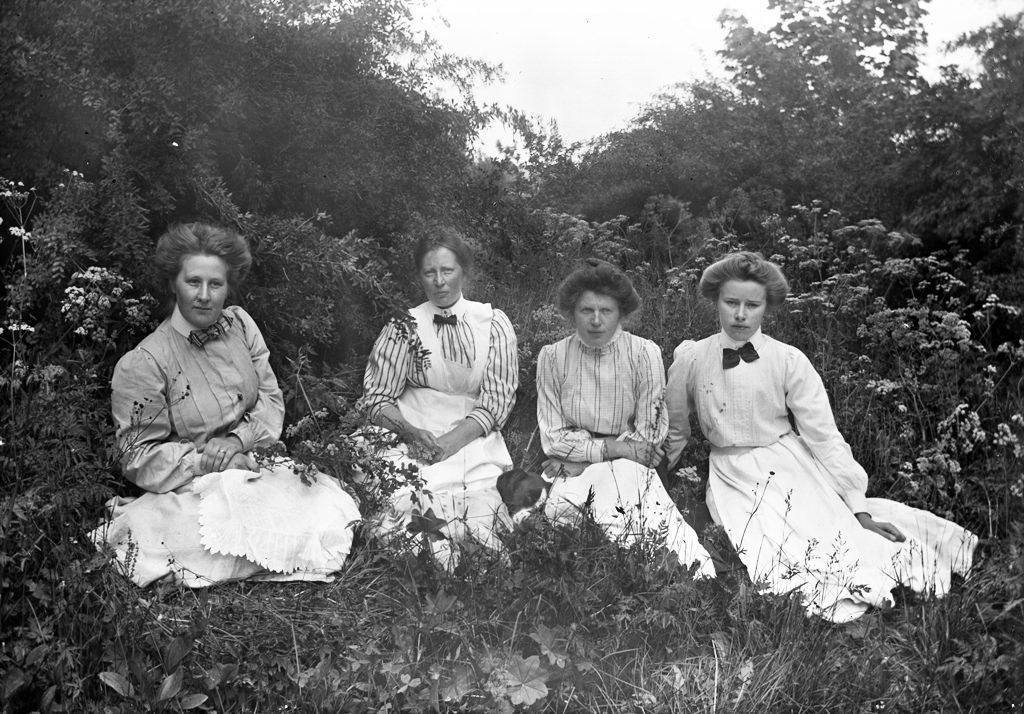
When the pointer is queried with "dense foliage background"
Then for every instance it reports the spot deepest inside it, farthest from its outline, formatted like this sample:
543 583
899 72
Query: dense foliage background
326 132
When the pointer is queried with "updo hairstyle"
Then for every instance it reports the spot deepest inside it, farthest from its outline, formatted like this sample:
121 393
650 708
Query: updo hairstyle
186 239
741 266
433 237
603 278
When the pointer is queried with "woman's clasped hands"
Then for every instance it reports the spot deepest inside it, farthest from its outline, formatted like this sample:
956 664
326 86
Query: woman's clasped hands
224 452
642 452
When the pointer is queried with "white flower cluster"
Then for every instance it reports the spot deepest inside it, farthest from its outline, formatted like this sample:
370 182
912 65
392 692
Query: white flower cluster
96 299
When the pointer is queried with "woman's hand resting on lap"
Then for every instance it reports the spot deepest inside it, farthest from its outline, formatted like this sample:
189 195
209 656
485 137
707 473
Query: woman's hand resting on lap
219 453
643 452
886 530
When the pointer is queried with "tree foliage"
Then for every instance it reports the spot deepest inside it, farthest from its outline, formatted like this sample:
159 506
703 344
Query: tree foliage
829 104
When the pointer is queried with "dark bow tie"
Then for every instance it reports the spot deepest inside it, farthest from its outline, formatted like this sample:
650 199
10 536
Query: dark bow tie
731 358
215 331
446 320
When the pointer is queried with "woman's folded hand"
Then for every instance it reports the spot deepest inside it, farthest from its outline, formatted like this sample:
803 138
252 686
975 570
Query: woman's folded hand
243 461
555 468
643 452
218 453
422 445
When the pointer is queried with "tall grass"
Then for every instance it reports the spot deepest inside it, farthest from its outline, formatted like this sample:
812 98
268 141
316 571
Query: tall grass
562 620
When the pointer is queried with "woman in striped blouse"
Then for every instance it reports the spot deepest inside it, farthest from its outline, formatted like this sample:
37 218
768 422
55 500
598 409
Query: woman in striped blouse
602 420
444 381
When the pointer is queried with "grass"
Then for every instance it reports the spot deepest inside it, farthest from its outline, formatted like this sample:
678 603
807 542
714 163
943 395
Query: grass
564 622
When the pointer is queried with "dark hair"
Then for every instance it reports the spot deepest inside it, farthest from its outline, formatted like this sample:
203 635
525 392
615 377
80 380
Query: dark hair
433 237
602 278
745 265
185 239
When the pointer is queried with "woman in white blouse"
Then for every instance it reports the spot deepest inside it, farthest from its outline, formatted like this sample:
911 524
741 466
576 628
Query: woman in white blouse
602 419
444 381
191 403
783 482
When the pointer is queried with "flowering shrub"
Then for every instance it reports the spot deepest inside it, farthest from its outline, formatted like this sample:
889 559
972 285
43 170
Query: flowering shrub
98 300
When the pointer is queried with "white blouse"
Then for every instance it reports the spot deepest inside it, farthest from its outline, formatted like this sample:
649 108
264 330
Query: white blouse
586 393
746 406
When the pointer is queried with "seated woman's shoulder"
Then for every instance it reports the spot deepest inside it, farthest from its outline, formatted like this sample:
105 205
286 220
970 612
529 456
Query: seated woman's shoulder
236 312
139 363
685 349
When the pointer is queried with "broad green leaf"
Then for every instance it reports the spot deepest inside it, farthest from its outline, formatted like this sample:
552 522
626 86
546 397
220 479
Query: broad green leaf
428 524
191 701
170 687
176 652
440 603
527 680
118 682
552 645
459 684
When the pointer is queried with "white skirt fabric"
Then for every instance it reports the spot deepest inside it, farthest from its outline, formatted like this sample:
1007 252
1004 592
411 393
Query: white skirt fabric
461 492
233 525
629 502
795 534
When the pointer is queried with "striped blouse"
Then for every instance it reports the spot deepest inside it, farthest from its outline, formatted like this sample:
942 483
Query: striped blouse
395 358
585 393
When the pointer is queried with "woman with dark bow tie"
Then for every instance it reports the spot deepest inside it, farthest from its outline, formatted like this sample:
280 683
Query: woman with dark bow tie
444 381
191 403
782 479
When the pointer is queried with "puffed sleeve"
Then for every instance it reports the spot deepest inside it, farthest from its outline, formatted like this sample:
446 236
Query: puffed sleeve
650 421
501 376
261 425
387 369
558 438
678 401
151 454
808 401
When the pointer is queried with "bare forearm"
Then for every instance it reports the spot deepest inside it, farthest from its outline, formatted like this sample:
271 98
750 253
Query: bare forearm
390 417
464 432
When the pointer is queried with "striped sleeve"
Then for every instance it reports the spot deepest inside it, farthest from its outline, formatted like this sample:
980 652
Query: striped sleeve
501 376
387 368
651 418
559 438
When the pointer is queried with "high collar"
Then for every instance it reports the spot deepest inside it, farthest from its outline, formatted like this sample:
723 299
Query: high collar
607 346
757 340
456 308
180 324
183 327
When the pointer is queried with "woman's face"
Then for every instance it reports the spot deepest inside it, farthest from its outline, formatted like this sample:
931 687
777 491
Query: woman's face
200 289
441 277
741 306
596 318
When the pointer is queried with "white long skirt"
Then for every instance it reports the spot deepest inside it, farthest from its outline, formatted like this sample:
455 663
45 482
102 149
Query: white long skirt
459 495
795 534
629 502
232 525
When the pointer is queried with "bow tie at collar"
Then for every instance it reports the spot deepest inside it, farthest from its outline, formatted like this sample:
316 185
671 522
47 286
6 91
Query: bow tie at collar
198 338
731 358
445 320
